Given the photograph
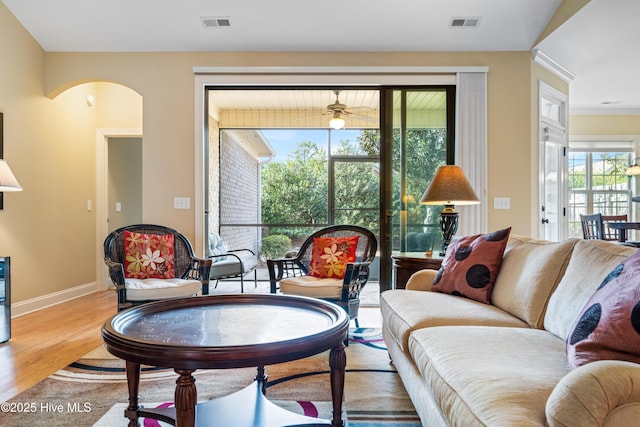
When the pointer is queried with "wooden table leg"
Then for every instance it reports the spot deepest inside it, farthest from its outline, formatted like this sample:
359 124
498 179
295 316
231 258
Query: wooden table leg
186 397
337 364
133 383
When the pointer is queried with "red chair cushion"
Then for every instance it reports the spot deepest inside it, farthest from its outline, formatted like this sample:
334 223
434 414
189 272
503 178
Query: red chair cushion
148 256
330 255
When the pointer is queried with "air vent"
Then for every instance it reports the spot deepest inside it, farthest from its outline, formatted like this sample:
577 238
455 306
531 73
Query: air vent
215 21
465 22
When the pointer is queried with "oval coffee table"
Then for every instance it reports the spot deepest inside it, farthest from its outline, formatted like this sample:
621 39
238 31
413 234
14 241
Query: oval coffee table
227 331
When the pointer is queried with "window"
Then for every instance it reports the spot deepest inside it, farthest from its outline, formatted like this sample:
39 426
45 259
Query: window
597 183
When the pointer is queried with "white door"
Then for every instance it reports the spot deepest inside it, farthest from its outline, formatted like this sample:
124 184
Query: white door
553 207
553 221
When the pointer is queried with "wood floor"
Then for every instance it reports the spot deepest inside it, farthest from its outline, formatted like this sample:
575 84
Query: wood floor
49 339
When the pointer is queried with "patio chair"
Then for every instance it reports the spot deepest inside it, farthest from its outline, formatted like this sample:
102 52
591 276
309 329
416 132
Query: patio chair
332 264
233 263
151 262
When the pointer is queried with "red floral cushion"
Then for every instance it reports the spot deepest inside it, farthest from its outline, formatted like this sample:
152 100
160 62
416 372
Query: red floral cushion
148 256
608 328
330 255
471 265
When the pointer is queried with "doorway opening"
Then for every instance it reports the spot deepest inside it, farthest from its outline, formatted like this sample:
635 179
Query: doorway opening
275 166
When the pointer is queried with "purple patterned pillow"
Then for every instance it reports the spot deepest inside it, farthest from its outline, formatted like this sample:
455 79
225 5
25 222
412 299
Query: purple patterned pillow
471 265
608 328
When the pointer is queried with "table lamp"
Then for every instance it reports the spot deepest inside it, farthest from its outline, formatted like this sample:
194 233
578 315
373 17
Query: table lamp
449 187
8 181
634 168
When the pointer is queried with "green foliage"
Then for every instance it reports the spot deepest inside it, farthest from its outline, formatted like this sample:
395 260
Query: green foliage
296 191
275 246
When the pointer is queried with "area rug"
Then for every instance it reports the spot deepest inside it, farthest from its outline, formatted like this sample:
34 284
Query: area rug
93 390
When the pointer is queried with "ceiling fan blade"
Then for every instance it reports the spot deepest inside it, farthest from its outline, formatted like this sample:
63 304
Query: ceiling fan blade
314 115
361 117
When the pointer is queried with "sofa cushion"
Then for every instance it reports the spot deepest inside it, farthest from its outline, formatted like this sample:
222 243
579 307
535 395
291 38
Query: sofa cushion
471 265
216 247
233 264
405 311
591 261
330 256
531 270
148 256
609 326
478 378
315 287
157 289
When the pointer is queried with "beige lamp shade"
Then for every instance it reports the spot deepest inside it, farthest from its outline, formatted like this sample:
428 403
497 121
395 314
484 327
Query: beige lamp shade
449 187
8 181
634 168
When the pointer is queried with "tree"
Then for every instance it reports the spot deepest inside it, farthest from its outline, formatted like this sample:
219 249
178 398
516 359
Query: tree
295 192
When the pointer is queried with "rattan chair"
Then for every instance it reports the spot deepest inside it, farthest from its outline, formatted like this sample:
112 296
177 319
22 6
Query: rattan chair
290 275
190 274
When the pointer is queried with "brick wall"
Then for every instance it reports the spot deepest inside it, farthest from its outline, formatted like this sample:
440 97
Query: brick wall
239 194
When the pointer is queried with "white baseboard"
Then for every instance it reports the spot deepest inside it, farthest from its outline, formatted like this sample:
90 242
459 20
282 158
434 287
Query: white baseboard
24 307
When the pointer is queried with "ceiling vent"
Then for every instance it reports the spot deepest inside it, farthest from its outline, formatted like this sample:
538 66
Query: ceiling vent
215 21
464 22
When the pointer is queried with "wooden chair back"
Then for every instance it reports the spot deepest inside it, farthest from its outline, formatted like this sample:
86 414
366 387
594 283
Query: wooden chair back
612 233
592 226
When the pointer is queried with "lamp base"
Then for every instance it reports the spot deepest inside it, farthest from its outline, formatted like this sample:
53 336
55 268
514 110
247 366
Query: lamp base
448 226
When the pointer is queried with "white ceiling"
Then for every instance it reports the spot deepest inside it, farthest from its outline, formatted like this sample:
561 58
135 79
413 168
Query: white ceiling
595 44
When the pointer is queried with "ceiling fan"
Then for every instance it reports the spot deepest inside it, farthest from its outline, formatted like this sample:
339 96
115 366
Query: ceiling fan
339 111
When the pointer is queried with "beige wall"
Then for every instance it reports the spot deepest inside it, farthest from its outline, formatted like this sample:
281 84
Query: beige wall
50 141
166 83
604 125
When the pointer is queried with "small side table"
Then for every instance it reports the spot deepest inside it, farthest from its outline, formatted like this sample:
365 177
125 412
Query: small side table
407 263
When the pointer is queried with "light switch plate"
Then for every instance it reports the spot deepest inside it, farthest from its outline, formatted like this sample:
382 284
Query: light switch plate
501 203
182 203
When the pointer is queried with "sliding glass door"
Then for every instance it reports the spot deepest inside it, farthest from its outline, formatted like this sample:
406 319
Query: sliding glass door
418 138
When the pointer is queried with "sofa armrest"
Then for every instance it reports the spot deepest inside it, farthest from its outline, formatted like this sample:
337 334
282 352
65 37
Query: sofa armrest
421 280
602 393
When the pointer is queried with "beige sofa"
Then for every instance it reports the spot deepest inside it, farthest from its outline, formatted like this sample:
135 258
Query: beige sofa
465 363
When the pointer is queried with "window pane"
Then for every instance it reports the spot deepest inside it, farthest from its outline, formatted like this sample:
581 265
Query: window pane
351 142
597 183
419 148
294 183
577 171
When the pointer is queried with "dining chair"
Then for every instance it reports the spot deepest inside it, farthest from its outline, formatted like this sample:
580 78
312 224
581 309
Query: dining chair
592 226
612 233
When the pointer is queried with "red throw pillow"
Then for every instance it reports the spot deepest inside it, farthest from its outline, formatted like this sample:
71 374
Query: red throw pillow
608 328
471 265
330 255
148 256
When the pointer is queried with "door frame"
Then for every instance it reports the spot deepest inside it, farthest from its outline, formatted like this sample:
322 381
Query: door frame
102 184
301 76
559 127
